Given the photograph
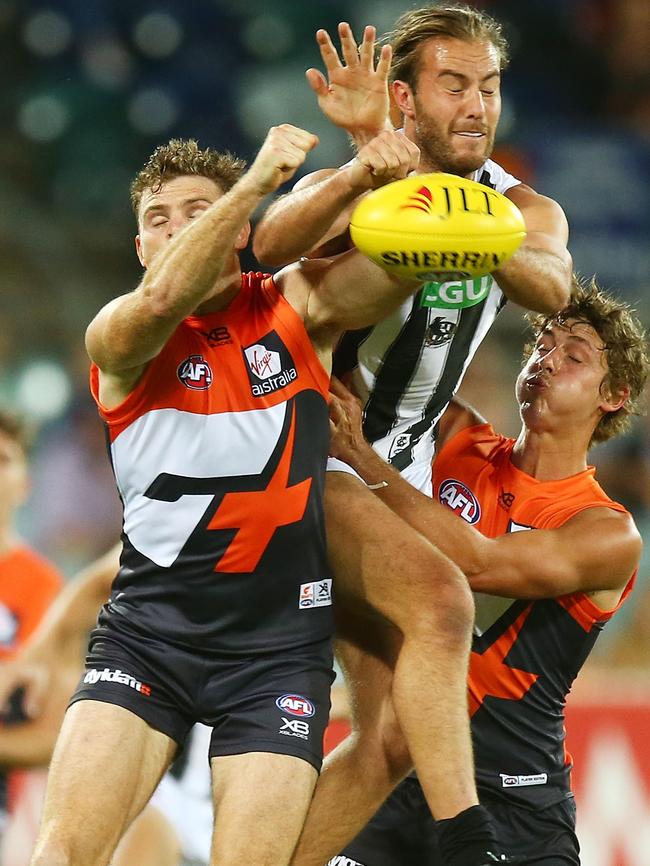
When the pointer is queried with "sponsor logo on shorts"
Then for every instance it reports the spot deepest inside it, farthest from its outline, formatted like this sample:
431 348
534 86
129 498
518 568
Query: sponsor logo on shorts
109 676
296 705
508 781
342 860
318 593
195 373
269 364
460 499
294 728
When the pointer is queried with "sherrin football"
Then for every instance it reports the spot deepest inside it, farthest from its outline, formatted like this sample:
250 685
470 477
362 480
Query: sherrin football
437 227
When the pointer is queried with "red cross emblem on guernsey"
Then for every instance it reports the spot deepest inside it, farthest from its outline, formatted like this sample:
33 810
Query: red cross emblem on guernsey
256 514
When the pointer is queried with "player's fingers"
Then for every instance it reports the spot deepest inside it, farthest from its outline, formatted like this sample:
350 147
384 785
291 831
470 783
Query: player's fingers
327 50
383 64
367 47
288 137
348 44
317 81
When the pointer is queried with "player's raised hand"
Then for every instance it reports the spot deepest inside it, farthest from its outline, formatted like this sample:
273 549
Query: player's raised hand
388 156
354 95
283 152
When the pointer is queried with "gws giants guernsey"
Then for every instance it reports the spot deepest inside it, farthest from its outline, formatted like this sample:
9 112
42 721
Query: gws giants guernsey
407 368
523 663
219 455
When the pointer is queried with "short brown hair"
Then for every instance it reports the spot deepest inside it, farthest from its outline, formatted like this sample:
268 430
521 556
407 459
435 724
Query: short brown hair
180 157
625 343
454 21
14 425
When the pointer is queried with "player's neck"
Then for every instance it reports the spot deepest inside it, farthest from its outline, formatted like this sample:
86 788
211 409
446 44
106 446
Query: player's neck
548 456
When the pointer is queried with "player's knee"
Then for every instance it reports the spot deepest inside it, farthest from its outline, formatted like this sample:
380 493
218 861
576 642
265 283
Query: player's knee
441 601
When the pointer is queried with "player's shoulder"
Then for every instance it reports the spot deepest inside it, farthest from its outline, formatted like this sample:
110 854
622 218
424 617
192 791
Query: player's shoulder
495 176
34 568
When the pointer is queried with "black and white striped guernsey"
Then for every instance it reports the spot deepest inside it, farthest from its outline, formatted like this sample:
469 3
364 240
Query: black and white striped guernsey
407 368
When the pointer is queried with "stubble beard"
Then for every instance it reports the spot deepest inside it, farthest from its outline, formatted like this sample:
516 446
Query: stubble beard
437 153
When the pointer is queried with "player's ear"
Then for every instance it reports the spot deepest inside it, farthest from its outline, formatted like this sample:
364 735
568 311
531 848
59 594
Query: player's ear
403 98
611 401
243 236
138 249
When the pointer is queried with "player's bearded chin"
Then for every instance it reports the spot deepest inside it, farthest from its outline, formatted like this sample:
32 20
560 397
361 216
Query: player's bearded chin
437 151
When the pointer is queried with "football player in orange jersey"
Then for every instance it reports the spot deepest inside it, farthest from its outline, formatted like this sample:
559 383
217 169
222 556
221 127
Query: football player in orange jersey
28 583
213 388
530 527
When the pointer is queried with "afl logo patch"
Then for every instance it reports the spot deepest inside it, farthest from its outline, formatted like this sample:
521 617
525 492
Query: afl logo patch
460 499
296 705
195 373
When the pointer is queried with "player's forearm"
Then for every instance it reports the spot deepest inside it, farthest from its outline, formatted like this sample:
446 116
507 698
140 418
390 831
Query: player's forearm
451 535
74 611
537 279
296 223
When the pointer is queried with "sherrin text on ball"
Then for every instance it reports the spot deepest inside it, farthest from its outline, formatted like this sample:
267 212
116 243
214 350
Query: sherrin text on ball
437 227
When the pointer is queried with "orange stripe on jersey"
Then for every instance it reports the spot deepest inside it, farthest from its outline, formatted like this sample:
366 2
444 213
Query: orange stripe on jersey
491 676
257 514
220 363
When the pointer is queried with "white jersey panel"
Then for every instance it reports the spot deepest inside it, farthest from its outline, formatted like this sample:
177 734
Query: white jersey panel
167 441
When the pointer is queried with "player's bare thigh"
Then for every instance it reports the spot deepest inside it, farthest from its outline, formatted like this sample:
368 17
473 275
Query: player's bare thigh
380 563
106 764
261 801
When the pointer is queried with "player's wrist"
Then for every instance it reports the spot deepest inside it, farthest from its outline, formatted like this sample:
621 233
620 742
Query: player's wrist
360 136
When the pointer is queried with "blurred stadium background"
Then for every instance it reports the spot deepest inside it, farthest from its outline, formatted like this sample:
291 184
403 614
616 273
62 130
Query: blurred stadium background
90 87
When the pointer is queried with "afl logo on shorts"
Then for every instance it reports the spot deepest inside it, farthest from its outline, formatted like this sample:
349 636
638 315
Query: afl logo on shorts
195 373
296 705
460 499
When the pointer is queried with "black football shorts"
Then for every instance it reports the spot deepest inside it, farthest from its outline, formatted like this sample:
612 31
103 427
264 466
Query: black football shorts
403 831
262 703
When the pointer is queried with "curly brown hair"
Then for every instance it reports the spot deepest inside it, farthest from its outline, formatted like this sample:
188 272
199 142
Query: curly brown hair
451 20
180 157
625 342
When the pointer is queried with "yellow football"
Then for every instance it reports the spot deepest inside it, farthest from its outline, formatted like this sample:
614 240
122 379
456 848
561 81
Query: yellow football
437 227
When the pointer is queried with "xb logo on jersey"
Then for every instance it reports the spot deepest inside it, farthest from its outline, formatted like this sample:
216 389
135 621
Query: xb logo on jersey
195 373
460 499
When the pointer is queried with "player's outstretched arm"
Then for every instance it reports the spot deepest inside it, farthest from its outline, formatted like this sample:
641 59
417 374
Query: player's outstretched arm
132 329
61 633
595 551
538 276
318 209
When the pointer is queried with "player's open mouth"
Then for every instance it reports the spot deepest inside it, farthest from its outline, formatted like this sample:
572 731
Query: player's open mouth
471 134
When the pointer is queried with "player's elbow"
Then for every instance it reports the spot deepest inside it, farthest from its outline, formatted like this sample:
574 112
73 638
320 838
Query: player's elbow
268 250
